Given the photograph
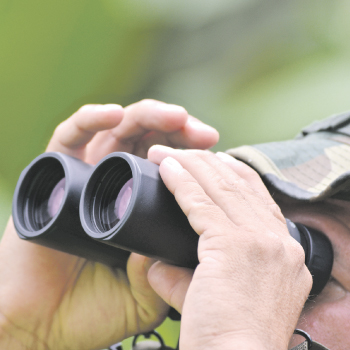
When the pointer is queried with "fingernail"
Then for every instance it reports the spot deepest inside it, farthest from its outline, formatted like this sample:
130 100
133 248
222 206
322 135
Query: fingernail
171 108
198 125
161 148
226 157
172 163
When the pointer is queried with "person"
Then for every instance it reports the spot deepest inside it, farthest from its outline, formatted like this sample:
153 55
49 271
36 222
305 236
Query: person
251 285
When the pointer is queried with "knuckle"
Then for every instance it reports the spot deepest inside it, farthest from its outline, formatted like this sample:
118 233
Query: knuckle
142 105
202 213
296 251
194 155
233 185
201 204
204 154
227 186
276 246
304 280
269 247
276 211
148 102
187 185
250 173
308 280
86 107
199 155
59 128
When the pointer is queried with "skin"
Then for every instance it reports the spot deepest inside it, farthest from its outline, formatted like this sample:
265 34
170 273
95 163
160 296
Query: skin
52 300
251 283
327 318
230 301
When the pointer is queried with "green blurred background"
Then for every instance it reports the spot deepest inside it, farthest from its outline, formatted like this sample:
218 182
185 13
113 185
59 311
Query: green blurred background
257 70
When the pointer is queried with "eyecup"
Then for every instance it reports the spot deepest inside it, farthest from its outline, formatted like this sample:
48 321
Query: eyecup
63 232
319 259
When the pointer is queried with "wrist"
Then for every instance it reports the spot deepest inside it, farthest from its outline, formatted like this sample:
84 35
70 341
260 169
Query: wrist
229 342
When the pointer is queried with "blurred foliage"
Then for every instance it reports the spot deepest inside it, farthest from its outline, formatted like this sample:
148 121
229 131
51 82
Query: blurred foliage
5 206
257 70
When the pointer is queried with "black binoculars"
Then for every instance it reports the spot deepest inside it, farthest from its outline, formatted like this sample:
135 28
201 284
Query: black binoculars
121 205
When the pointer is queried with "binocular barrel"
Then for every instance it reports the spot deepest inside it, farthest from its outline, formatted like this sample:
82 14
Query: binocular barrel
124 206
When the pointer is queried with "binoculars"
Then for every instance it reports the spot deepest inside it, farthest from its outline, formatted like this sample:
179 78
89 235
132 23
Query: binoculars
121 205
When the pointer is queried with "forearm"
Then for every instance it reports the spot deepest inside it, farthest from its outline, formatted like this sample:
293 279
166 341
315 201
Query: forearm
264 339
229 344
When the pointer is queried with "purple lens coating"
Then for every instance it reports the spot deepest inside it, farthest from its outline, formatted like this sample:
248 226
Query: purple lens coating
56 198
123 199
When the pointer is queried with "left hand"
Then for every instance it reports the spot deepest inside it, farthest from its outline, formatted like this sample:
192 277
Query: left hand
53 300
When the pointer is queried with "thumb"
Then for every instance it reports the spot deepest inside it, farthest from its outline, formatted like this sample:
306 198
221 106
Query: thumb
170 283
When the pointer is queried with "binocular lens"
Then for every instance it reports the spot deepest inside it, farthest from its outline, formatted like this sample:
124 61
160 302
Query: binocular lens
56 198
123 199
111 195
43 197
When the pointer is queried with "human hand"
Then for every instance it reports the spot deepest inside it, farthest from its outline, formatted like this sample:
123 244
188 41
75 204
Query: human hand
52 300
251 283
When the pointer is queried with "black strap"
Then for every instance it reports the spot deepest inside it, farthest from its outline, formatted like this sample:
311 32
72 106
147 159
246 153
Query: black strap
314 346
117 346
308 343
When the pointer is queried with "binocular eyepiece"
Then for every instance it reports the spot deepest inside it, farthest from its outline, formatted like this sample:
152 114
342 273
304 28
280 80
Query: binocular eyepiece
45 208
119 206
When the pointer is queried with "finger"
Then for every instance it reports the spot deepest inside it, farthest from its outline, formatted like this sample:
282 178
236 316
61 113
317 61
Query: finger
149 122
194 134
102 144
156 154
250 176
246 172
149 115
168 124
219 234
152 305
73 134
233 194
200 210
170 283
254 180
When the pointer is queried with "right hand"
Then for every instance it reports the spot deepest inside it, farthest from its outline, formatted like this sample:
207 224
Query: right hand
251 282
52 300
